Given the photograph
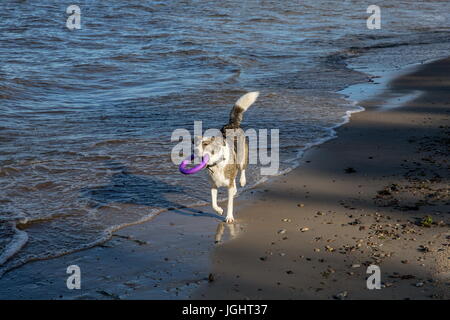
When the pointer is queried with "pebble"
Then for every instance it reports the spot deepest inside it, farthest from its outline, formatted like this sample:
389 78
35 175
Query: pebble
282 231
419 284
341 295
356 265
304 229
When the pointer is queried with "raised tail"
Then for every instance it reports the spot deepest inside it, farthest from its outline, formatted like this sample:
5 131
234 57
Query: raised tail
239 108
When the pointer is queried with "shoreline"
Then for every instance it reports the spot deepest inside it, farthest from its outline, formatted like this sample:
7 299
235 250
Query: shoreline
313 232
103 265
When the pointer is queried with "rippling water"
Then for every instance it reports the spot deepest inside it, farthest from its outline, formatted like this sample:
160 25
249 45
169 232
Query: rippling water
87 115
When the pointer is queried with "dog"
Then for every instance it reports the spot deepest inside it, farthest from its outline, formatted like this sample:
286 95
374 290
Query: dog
228 154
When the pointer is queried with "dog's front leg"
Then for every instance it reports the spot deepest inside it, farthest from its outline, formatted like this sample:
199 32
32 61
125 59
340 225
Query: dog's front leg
243 180
231 193
216 208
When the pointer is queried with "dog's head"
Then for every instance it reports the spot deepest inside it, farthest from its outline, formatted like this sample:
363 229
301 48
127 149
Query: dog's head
212 146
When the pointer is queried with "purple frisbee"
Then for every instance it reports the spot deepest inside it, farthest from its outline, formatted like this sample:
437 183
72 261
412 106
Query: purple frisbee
195 169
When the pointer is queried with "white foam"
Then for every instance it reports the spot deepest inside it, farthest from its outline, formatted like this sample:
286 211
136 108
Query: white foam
19 239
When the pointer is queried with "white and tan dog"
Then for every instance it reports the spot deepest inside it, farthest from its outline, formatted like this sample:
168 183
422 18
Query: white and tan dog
228 154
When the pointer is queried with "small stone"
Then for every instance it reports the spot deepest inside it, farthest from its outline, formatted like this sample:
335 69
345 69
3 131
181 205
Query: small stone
304 229
282 231
211 277
290 272
356 265
350 170
419 284
316 250
300 205
341 295
286 220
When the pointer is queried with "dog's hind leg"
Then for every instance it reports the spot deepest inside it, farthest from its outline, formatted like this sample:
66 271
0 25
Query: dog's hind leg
216 208
231 193
243 165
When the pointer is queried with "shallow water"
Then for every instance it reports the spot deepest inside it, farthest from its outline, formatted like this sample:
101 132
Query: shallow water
87 115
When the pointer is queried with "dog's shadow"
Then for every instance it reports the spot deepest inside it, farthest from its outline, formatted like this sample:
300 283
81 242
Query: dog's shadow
128 188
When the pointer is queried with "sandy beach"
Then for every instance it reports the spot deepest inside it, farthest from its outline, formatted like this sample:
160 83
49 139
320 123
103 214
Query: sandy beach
377 194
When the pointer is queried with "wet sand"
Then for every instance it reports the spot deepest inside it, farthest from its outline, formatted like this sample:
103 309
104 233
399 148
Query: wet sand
358 200
166 258
355 200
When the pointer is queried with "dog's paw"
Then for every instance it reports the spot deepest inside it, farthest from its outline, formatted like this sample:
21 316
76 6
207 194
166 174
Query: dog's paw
219 210
229 219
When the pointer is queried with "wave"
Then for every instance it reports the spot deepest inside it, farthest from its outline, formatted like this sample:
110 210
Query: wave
16 242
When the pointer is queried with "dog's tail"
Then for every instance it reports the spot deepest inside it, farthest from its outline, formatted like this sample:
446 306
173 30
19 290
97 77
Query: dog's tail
239 108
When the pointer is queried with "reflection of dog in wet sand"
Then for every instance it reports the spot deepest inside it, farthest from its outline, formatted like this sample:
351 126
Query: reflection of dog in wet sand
232 228
228 154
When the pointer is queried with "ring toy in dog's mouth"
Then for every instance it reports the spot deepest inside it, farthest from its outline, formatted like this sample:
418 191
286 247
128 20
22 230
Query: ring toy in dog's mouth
195 169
